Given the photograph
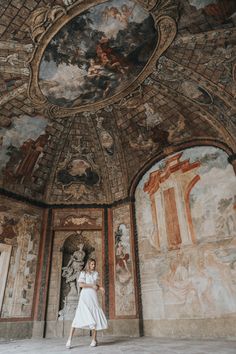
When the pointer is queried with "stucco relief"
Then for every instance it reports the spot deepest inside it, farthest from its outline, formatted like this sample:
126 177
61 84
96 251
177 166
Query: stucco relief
187 244
80 219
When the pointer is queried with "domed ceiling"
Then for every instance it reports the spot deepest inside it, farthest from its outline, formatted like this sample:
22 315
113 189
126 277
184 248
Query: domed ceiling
93 91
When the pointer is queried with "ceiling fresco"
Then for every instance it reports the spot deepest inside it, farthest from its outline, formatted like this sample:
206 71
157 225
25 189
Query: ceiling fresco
92 91
21 146
202 15
97 54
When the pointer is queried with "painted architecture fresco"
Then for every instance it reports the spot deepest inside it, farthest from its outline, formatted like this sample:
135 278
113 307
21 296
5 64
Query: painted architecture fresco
123 263
97 54
186 223
20 229
22 146
198 15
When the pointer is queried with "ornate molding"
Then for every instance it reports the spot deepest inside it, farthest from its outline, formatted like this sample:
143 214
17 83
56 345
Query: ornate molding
164 15
80 222
9 96
42 19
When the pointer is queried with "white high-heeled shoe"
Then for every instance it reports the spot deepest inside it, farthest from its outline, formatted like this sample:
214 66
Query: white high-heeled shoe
68 344
93 343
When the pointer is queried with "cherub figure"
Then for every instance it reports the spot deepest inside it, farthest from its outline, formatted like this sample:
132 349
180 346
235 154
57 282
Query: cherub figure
111 12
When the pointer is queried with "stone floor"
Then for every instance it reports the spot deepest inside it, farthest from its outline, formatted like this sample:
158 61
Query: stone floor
114 345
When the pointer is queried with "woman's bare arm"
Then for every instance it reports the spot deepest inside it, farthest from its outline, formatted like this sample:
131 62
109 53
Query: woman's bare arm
91 286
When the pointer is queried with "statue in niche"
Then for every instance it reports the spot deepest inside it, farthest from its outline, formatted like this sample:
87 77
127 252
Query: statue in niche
76 251
71 273
75 265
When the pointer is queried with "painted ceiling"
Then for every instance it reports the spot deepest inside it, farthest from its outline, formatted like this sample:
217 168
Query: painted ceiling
97 53
91 92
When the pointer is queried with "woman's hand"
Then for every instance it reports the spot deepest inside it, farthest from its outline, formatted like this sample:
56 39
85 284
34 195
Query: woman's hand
95 287
102 289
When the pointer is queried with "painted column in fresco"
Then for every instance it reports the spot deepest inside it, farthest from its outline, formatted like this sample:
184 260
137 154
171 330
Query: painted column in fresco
169 190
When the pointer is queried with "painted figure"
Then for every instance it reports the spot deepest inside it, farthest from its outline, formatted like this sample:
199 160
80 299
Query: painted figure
121 257
31 150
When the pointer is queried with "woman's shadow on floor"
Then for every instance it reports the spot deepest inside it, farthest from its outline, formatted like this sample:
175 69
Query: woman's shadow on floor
103 342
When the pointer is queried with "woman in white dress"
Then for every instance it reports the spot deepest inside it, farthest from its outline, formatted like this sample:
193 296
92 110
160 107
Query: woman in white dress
88 313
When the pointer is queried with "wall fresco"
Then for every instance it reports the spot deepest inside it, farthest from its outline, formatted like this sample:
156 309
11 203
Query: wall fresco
198 15
123 263
22 146
20 228
186 224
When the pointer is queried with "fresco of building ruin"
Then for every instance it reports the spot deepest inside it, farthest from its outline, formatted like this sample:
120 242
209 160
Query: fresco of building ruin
187 236
97 54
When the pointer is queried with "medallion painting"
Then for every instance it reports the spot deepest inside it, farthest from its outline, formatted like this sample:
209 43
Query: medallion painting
97 54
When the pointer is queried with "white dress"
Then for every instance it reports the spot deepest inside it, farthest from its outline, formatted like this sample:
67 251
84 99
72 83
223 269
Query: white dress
88 313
